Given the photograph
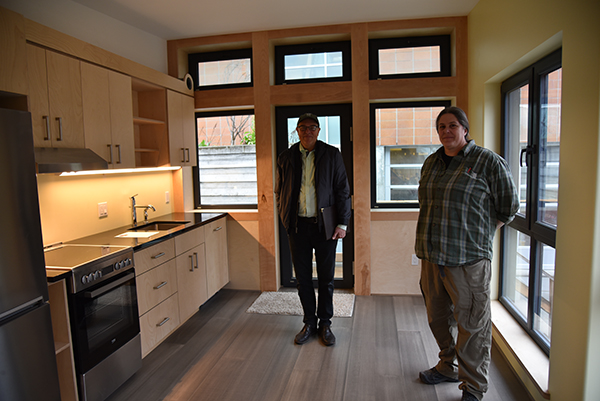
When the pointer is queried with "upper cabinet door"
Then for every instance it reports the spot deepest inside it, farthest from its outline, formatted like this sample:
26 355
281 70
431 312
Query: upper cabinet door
38 96
121 120
189 128
64 99
96 110
177 151
182 132
13 62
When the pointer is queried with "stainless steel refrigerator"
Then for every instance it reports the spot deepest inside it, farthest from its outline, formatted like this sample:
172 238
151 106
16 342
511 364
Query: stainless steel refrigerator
28 369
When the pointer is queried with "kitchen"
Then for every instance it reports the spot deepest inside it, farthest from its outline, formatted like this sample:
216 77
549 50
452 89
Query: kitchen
484 64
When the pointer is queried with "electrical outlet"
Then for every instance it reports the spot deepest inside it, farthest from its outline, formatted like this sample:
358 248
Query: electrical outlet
102 210
167 197
414 260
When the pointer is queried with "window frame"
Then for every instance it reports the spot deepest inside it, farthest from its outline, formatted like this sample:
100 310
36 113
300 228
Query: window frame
393 105
309 48
195 58
443 41
196 169
539 232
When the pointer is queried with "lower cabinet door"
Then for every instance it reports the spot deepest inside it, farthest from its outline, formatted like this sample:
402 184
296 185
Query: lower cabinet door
191 281
158 323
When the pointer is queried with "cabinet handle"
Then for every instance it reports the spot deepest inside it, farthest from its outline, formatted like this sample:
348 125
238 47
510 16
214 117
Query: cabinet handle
187 152
191 263
160 285
158 256
165 320
110 152
60 131
196 255
118 153
47 137
182 155
218 228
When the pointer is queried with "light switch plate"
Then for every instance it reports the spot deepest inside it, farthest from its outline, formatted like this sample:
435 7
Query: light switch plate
414 260
167 197
102 209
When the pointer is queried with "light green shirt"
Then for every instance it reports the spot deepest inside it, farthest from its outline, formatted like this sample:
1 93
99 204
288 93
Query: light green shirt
307 206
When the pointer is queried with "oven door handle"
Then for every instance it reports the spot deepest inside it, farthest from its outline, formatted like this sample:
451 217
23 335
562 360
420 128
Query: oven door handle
108 287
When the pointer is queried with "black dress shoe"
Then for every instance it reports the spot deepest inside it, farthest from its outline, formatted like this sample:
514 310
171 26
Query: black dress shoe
306 332
326 335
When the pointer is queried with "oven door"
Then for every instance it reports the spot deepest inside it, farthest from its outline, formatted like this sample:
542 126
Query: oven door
103 318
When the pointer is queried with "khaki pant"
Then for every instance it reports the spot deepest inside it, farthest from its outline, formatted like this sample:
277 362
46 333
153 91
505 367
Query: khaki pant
458 309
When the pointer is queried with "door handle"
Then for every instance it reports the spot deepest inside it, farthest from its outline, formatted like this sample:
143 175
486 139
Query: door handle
165 320
191 263
118 153
47 137
60 131
110 153
160 285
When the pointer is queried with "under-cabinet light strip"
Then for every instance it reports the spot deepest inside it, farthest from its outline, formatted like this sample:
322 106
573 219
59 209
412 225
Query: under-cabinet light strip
120 171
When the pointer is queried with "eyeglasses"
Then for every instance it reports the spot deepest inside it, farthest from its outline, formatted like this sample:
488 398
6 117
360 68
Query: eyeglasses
303 128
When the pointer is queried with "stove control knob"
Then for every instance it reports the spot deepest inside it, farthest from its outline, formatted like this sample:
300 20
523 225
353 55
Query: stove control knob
84 279
118 266
97 274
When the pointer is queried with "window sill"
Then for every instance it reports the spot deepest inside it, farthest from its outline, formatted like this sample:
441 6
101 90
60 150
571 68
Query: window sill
524 356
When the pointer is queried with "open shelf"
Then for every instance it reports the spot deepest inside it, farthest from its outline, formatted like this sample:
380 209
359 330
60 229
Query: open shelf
151 137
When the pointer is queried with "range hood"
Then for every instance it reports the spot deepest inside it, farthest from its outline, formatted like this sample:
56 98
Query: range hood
58 160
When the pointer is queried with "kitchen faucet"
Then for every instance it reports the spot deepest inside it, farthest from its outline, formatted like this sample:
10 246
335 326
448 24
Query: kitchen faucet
134 213
146 211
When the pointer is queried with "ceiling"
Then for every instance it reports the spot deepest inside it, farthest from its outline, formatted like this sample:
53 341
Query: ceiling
177 19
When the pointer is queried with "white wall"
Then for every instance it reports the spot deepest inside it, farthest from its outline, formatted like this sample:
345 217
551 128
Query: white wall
96 28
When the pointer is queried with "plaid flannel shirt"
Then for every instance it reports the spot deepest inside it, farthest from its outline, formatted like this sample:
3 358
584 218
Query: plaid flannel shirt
461 204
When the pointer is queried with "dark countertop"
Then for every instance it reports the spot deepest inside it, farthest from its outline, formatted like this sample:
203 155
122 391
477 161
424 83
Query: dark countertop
192 220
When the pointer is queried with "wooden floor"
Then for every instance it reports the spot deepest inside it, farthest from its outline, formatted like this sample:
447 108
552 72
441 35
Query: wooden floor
223 353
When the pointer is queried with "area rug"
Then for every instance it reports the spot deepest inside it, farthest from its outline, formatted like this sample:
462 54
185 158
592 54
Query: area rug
288 303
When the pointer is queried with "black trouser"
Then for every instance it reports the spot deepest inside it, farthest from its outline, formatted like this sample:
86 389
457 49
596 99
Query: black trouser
302 243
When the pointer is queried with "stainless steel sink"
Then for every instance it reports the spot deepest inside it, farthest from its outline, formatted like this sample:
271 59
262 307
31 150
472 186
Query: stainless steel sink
159 226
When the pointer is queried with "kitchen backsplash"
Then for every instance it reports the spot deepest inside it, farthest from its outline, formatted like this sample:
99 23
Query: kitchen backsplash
69 205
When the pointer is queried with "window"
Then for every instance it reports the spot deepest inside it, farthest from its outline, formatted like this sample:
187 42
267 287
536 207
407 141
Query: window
531 137
402 136
426 56
226 172
317 62
226 69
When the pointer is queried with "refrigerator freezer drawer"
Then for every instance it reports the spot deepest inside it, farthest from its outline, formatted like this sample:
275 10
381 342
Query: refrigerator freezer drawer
27 359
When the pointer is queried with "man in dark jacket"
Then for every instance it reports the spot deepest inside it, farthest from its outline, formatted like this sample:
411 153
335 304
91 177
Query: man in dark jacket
311 177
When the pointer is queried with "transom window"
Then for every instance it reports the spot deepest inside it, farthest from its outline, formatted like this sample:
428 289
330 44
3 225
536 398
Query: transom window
226 69
426 56
315 62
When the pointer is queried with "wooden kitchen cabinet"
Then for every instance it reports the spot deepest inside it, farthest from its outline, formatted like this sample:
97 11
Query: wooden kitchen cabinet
55 99
191 281
13 63
61 328
150 124
217 262
191 272
158 323
108 115
156 285
182 132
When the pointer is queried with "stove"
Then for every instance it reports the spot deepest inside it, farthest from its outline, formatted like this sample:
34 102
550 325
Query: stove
90 264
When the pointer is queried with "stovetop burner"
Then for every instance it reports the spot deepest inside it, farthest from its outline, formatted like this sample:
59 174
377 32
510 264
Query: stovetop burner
75 255
90 264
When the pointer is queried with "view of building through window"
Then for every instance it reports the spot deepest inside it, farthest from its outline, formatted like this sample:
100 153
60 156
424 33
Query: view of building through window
222 72
313 65
409 60
227 160
404 137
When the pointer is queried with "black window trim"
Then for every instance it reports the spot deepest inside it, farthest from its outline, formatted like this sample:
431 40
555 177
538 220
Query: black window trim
195 58
373 167
443 41
323 47
539 232
196 169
